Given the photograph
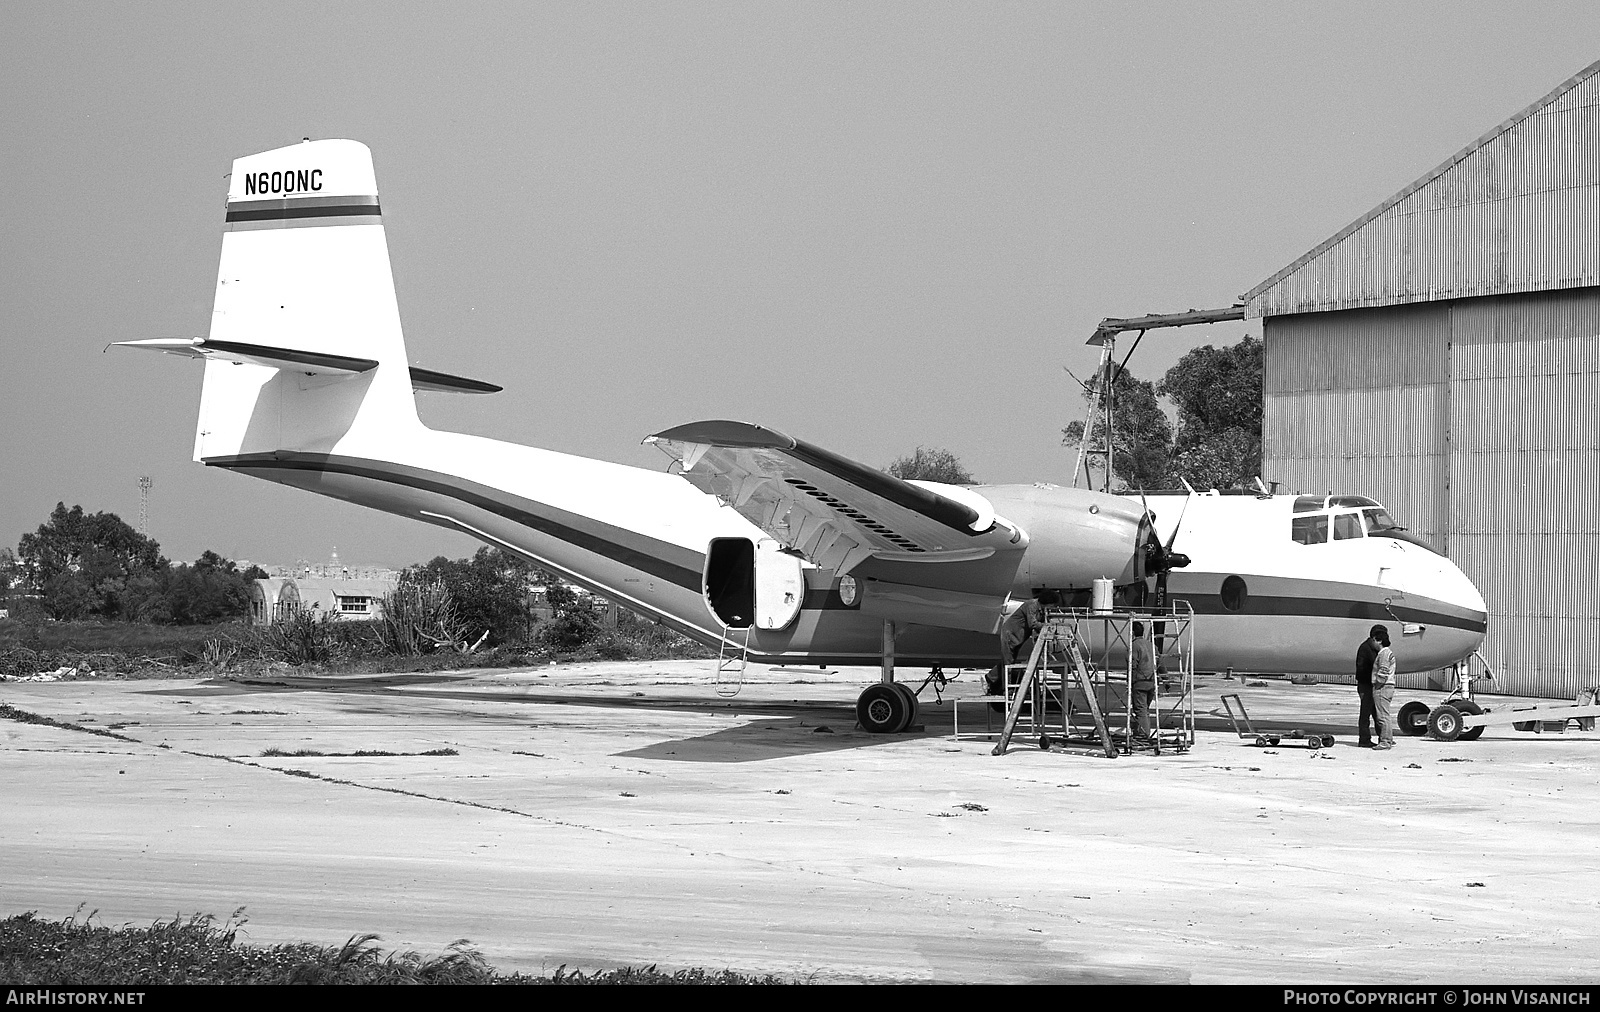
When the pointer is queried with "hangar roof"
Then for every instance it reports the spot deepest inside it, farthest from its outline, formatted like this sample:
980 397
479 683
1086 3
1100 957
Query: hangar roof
1517 210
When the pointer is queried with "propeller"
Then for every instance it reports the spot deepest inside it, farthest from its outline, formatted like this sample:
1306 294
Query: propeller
1162 560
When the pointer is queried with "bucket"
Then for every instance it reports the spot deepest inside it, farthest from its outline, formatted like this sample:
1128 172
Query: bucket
1101 601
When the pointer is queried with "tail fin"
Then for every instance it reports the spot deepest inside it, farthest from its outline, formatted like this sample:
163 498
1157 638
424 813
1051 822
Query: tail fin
304 290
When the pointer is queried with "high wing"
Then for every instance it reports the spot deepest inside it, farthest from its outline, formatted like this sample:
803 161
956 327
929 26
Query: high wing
925 552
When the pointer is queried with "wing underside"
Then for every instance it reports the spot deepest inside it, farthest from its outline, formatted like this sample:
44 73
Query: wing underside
940 546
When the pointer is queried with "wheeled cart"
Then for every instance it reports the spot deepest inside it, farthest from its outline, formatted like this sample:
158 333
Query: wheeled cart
1264 738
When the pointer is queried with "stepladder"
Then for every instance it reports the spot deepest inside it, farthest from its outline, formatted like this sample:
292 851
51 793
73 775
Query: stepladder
1040 702
732 659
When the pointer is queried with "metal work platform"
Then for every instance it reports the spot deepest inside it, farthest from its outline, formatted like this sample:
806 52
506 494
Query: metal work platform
1075 689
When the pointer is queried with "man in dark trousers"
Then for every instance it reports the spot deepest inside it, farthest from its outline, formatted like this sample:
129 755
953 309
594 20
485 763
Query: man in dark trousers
1365 655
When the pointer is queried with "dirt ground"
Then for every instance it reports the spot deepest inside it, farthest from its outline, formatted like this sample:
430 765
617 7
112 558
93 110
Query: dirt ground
622 813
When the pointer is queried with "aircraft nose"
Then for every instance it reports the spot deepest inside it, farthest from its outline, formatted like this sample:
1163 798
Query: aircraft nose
1463 598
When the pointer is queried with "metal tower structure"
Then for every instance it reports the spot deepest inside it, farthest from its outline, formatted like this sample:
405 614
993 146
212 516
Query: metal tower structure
144 504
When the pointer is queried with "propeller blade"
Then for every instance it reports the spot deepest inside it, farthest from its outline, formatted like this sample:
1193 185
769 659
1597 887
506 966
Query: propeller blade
1175 527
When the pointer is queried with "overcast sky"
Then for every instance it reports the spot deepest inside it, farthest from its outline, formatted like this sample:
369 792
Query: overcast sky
872 226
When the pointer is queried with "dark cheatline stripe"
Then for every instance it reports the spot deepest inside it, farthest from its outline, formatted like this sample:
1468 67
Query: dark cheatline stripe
288 212
1326 607
292 355
483 497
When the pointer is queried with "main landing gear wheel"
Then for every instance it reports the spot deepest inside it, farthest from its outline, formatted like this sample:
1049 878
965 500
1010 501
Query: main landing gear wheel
912 707
1444 723
1413 718
1467 706
882 709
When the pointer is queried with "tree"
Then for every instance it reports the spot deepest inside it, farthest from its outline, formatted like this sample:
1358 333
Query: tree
931 464
1141 436
487 592
1217 392
82 563
211 590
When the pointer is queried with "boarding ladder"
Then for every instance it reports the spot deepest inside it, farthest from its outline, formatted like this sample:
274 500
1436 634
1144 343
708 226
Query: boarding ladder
1058 650
732 658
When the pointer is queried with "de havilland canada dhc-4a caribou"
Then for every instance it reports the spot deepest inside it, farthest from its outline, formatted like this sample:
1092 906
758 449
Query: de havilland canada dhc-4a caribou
752 539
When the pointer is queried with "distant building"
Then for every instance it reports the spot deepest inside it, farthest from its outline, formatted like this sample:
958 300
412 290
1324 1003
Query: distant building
345 598
272 600
277 598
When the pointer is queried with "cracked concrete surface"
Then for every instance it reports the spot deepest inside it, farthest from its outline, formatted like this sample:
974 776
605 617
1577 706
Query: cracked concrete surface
620 813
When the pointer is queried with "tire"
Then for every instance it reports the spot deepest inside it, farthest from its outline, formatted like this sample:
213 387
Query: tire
1313 742
1044 743
1261 742
1327 741
1444 723
1413 718
1467 706
881 709
912 708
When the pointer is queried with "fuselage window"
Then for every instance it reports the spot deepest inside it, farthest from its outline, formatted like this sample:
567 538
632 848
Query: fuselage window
1309 530
1307 503
1234 593
1347 525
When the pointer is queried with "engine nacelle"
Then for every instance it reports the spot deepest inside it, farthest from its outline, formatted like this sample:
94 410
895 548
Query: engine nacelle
1075 536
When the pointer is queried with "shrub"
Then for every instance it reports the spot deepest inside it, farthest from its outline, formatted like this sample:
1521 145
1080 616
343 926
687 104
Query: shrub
419 616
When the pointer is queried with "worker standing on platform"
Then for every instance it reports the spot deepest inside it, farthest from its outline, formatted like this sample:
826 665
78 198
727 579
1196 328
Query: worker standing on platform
1141 683
1383 668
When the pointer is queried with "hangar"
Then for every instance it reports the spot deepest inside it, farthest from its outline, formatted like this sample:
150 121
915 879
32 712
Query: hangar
1442 353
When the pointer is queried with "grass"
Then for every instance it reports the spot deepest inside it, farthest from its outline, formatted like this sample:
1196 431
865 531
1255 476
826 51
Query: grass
135 650
301 753
198 950
9 712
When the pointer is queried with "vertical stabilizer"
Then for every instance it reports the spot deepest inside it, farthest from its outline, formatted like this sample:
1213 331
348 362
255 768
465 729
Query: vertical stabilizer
305 268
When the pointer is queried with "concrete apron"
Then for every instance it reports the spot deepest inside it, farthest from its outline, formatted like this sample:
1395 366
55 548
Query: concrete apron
609 814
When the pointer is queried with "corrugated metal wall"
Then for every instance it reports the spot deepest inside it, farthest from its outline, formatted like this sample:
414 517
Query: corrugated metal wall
1518 211
1525 481
1478 423
1356 402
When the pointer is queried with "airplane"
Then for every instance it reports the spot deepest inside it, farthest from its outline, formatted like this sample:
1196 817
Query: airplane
752 539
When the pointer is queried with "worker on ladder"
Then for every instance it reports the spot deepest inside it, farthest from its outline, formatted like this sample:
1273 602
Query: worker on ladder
1017 636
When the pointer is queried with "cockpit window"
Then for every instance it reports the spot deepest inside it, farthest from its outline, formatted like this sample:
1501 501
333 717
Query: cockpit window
1310 530
1347 525
1379 520
1307 503
1352 500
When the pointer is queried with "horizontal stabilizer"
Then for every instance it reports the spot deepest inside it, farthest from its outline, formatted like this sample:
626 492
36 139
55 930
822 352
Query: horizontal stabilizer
440 382
309 362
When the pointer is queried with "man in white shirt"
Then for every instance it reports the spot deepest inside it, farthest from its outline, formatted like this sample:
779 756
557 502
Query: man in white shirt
1383 689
